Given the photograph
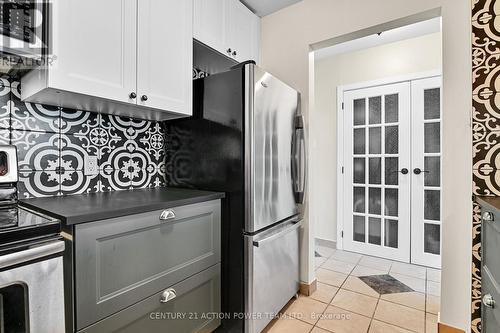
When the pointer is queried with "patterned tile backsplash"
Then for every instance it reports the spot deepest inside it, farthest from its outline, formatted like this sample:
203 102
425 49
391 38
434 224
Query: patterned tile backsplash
485 128
54 143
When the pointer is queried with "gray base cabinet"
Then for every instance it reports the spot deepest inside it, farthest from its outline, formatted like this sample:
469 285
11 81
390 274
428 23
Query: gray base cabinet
490 269
133 273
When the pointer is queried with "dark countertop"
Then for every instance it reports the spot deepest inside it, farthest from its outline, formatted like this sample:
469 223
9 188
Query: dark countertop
82 208
490 202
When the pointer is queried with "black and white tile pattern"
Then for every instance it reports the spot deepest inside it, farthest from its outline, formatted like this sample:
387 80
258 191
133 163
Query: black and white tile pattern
198 73
54 144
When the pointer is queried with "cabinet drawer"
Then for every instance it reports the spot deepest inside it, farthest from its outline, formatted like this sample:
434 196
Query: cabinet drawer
121 261
491 246
490 315
197 298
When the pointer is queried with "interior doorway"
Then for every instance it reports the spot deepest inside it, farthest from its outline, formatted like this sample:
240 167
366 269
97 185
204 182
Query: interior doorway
377 120
390 181
376 204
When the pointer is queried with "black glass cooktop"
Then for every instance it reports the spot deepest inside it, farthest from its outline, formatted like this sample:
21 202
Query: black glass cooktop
19 224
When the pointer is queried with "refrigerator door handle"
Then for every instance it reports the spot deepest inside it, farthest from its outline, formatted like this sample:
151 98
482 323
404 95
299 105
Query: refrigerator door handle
278 234
299 157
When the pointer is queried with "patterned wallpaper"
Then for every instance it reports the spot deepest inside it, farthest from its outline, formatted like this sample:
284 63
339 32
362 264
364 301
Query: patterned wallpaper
485 128
53 144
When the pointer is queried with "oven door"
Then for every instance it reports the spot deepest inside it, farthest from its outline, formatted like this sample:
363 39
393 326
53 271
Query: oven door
31 290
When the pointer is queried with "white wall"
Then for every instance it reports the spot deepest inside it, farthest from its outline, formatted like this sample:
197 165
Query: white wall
420 54
286 39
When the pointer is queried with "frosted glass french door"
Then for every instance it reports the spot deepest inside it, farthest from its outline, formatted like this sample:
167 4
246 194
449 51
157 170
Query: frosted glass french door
377 171
426 172
392 171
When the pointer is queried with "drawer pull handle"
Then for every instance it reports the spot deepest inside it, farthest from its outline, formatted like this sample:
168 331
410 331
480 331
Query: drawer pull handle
167 215
488 301
488 216
168 295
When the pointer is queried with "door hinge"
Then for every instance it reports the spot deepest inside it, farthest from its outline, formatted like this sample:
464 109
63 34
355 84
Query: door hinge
342 234
342 170
342 105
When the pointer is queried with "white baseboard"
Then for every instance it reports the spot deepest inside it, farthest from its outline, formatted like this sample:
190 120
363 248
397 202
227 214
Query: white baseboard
326 243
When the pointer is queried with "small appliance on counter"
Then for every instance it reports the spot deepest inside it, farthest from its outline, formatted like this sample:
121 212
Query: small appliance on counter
31 264
246 138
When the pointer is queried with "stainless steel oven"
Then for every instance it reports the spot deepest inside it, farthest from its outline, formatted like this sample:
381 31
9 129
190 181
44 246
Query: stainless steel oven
31 264
31 289
8 164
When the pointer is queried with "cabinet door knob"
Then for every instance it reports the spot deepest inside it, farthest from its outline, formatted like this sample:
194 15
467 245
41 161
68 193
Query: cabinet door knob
488 301
144 98
234 53
168 295
132 95
167 214
229 50
488 216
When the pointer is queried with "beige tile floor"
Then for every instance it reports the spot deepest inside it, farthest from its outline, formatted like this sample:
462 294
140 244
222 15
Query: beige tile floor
345 304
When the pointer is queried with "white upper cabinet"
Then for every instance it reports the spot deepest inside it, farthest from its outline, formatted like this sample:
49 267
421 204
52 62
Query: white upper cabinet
94 46
165 55
125 57
209 24
229 27
242 26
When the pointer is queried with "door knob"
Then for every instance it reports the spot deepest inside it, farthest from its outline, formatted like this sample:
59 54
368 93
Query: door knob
132 95
234 53
229 50
404 171
417 171
488 301
144 98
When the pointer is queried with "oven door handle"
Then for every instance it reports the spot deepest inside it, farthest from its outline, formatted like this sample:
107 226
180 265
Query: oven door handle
31 254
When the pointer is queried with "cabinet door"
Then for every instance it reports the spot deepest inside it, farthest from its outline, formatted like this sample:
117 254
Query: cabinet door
255 55
209 26
165 55
241 29
94 47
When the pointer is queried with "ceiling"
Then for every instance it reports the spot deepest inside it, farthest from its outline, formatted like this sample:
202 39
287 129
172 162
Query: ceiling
390 36
266 7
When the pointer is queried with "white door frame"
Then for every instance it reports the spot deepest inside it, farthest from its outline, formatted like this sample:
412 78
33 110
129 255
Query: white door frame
340 134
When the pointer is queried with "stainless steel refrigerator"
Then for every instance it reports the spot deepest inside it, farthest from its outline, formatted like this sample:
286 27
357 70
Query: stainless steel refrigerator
246 138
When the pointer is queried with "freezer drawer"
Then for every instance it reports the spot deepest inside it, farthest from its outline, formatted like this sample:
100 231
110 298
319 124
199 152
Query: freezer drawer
120 261
194 308
272 277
